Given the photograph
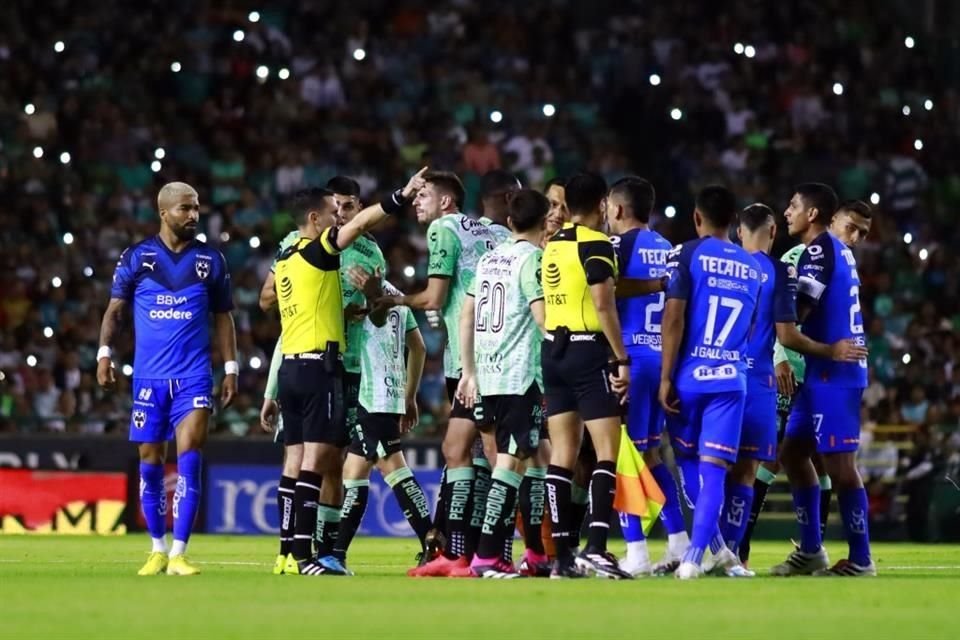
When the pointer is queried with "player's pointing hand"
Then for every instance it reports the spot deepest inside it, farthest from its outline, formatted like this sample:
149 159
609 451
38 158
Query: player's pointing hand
415 184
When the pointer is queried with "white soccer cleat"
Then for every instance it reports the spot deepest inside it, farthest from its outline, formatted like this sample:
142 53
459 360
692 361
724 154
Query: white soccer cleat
635 567
721 563
688 571
799 563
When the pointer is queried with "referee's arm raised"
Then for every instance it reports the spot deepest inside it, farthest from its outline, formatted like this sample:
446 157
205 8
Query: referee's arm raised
374 214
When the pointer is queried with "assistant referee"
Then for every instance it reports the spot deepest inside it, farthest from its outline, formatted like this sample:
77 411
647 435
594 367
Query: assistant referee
585 373
312 336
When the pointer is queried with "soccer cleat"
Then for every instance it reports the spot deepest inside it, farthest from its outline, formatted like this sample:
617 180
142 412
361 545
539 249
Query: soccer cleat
292 567
155 565
180 566
310 568
279 565
534 565
636 568
688 571
848 569
566 568
739 571
439 567
725 563
799 563
434 543
603 564
669 563
333 566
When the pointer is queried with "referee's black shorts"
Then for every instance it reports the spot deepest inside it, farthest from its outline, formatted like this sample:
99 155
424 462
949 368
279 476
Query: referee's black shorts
311 402
577 378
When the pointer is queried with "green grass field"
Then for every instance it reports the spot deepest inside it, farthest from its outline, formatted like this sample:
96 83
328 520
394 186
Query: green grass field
86 587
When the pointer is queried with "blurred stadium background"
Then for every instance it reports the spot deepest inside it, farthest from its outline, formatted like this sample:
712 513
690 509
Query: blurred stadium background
100 103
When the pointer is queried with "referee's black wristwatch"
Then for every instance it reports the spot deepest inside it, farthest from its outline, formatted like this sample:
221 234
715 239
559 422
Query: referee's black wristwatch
620 363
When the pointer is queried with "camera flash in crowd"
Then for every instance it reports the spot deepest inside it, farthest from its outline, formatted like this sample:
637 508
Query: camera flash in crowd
496 116
48 332
549 110
654 79
255 242
670 211
155 166
255 363
238 35
254 16
31 360
38 152
175 67
283 74
874 198
56 282
359 54
409 271
29 109
127 370
65 157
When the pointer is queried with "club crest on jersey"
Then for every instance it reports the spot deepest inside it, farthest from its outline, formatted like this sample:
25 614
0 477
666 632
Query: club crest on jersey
139 419
202 267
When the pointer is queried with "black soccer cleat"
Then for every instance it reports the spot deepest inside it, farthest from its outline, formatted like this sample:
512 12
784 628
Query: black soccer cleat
565 568
603 564
435 542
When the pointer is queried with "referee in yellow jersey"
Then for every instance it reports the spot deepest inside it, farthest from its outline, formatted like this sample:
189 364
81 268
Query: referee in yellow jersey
312 338
586 373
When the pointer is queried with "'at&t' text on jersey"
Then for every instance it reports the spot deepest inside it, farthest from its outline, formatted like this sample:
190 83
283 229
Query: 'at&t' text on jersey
720 283
777 303
641 254
172 295
830 286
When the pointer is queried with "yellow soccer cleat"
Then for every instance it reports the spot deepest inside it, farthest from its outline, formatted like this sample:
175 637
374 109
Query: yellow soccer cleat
291 568
155 565
180 566
279 565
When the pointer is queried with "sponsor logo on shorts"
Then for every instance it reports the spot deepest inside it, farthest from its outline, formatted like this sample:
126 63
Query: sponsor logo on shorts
202 402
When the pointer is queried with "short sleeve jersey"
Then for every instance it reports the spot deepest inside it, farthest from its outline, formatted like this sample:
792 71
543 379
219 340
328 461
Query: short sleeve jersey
720 283
506 336
288 240
383 372
641 254
172 295
830 284
777 303
575 258
455 244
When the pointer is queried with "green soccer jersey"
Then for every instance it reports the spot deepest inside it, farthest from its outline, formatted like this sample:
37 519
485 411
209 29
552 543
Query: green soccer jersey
287 241
506 336
500 232
383 371
365 253
780 353
455 243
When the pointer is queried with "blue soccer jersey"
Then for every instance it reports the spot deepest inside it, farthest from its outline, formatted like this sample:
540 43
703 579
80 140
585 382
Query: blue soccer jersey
830 286
777 302
642 254
720 283
172 295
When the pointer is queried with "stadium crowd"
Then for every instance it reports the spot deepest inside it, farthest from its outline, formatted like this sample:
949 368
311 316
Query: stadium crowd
258 102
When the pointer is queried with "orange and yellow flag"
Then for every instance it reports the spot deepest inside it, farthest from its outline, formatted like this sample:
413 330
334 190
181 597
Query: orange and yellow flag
637 491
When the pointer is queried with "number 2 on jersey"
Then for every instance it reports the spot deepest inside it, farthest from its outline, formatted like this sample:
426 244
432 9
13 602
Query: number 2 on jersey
651 320
855 327
494 297
710 337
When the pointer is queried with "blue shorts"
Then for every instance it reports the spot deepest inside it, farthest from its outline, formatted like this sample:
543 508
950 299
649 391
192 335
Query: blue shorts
708 425
644 413
758 438
829 414
160 405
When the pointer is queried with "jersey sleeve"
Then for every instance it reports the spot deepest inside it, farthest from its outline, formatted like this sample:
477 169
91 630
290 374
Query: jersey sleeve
678 274
323 252
815 269
411 322
290 239
124 281
599 260
443 248
785 293
530 285
221 297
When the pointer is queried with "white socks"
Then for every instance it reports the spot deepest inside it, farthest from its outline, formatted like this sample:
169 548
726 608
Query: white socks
159 544
178 549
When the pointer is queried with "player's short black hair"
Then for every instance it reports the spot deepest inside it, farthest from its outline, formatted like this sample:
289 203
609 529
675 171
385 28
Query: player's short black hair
307 200
527 209
344 186
449 183
497 182
639 193
584 192
555 181
756 216
718 205
820 196
859 207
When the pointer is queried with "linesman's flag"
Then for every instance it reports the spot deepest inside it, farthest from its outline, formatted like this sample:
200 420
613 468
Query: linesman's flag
637 491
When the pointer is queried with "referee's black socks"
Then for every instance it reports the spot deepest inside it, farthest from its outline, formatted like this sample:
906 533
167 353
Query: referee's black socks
559 484
285 508
602 487
305 497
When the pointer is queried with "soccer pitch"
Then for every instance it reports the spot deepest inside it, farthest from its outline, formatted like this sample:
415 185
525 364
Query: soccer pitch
86 587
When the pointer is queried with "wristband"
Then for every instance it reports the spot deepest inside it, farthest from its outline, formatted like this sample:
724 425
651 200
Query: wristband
621 363
231 367
104 352
394 203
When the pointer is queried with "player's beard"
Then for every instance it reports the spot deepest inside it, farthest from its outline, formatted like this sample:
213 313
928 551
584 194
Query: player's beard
185 233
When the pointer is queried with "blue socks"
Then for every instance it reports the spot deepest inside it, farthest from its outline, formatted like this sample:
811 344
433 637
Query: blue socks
709 502
670 515
736 514
631 527
186 500
153 499
806 504
853 510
